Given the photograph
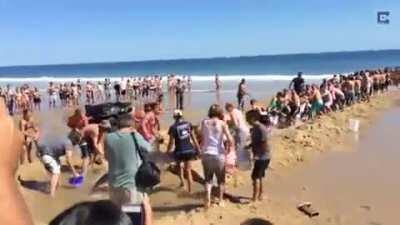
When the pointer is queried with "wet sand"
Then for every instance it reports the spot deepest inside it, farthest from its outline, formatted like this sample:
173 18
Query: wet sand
295 149
357 187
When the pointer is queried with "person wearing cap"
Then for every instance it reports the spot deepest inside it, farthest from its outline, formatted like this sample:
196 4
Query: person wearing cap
186 147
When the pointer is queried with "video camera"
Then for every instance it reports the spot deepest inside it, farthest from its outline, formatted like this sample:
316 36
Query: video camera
107 111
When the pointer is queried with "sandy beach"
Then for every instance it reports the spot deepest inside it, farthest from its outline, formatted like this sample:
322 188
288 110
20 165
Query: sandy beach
294 148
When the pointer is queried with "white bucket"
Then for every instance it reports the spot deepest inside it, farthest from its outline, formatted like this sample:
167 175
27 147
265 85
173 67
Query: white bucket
354 125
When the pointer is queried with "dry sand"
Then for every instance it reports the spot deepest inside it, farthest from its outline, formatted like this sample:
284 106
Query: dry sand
291 147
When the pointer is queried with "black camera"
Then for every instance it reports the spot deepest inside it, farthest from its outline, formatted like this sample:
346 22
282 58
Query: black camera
107 111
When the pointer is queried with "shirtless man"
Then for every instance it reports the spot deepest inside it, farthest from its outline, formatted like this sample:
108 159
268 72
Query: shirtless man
52 91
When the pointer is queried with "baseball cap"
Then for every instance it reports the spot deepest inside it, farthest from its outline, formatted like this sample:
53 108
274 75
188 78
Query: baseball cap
177 112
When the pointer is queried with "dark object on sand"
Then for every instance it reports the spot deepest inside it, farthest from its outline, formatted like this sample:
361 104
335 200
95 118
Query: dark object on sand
307 209
97 213
106 111
256 221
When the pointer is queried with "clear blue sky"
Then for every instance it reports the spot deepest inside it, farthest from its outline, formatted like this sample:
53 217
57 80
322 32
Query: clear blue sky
73 31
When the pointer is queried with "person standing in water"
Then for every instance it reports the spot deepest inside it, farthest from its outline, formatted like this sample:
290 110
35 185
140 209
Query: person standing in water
186 147
298 83
217 83
179 93
241 93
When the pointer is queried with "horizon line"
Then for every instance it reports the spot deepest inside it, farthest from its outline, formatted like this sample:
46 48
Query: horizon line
199 58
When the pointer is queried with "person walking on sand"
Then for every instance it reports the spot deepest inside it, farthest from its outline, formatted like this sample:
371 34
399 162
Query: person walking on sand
240 129
241 93
186 147
261 150
213 131
123 164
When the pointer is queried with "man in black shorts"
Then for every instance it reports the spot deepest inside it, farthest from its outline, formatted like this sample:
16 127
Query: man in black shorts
186 147
261 150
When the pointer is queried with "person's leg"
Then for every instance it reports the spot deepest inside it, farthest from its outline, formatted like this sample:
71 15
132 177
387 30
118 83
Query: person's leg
181 173
255 189
221 181
148 212
208 175
29 150
54 183
188 169
260 190
22 155
181 101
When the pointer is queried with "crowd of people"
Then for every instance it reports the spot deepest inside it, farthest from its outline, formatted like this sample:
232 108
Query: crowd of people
306 101
217 140
72 94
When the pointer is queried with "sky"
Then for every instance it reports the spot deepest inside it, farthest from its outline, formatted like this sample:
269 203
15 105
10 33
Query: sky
78 31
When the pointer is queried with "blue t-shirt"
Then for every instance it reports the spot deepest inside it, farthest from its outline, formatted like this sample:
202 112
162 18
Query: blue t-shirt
181 131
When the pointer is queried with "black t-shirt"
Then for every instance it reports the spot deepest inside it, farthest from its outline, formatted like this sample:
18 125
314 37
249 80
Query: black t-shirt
117 88
180 131
298 84
180 89
54 150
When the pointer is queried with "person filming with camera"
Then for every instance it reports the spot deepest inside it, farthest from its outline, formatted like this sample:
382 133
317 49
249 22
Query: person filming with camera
124 150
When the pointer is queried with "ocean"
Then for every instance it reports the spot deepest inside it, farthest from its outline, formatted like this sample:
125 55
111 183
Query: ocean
267 67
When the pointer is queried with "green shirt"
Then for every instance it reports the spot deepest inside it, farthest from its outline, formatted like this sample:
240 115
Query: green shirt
123 158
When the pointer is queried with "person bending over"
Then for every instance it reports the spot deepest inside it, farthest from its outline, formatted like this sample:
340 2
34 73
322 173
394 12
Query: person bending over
50 154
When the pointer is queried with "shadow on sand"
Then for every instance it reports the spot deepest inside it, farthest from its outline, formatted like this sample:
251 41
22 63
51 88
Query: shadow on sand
39 186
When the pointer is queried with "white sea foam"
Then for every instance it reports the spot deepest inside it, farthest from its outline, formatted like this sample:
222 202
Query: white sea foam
265 77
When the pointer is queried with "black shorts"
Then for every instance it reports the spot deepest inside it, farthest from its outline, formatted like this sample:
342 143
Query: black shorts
185 156
260 166
85 150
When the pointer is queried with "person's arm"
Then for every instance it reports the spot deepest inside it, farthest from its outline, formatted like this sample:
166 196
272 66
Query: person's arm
195 142
170 144
143 144
68 157
290 84
228 135
10 149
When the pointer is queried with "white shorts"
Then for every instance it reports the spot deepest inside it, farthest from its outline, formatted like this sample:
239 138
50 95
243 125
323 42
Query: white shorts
51 164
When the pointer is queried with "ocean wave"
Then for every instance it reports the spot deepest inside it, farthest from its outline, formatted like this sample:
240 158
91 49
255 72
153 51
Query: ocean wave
265 77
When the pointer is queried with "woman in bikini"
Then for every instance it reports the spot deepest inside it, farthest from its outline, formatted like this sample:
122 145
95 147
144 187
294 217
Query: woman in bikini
30 131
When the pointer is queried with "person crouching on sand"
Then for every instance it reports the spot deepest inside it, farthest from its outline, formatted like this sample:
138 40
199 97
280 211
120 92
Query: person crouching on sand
261 150
50 154
186 147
